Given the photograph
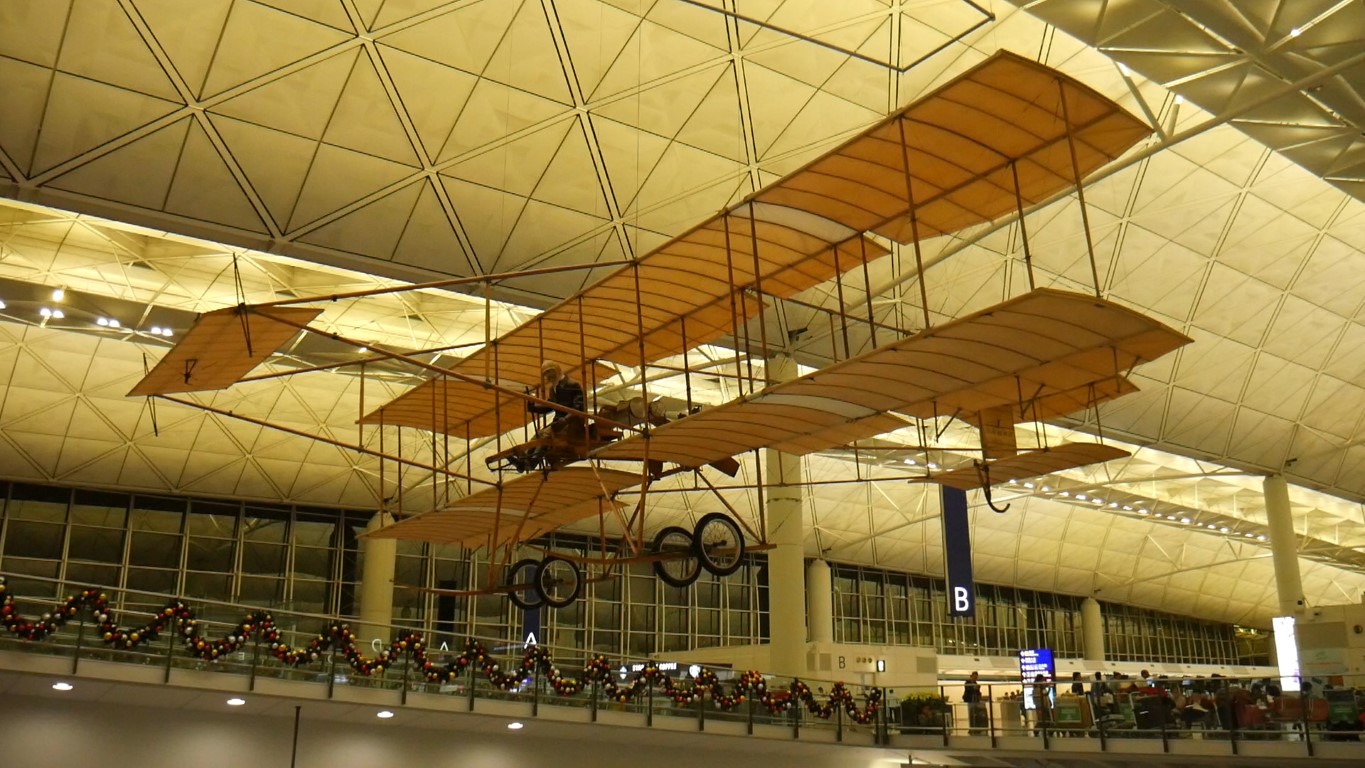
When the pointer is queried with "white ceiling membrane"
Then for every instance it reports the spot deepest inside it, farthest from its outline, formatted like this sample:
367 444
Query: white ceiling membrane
351 145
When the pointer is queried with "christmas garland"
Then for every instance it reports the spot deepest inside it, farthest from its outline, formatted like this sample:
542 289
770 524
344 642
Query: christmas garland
178 617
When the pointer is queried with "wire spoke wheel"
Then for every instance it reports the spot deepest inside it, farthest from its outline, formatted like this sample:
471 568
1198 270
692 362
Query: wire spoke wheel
525 591
679 566
719 543
560 581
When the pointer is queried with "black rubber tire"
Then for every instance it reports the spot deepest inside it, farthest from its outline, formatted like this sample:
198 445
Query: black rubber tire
672 540
560 581
524 572
716 529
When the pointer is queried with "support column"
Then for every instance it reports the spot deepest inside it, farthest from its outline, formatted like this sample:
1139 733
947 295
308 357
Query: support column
379 558
1092 630
786 560
820 602
1284 546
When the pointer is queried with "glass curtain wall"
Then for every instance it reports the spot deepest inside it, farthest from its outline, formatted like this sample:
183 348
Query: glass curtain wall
307 559
885 607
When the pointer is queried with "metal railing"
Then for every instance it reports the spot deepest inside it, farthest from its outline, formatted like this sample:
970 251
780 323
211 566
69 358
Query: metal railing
1215 715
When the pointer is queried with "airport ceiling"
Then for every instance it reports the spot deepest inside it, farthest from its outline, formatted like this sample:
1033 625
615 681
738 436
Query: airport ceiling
163 158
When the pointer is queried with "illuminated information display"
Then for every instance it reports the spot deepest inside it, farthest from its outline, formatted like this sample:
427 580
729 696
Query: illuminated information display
1033 662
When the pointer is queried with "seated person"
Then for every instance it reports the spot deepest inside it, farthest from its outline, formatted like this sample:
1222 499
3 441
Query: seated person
557 387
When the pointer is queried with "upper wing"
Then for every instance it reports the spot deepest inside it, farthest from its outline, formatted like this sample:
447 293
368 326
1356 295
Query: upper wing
1045 352
950 157
522 508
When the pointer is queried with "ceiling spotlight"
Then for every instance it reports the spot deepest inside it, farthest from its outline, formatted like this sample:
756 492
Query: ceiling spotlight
236 702
62 686
2 305
909 462
1261 537
1028 485
1247 535
57 314
1127 508
1295 32
102 322
45 312
1159 516
1142 511
383 714
362 350
1013 481
1047 489
932 465
166 332
1064 494
1211 526
1224 529
1082 496
58 294
514 726
113 323
1096 500
1185 520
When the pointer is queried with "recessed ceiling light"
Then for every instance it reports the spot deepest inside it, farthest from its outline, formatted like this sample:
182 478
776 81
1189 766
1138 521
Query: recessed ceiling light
236 702
515 726
62 686
383 714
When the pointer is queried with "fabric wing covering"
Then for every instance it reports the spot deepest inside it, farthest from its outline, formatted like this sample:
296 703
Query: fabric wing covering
222 347
1046 346
521 509
1030 464
955 153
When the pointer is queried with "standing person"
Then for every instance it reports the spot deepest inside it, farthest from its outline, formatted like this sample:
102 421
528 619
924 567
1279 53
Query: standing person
977 717
1042 701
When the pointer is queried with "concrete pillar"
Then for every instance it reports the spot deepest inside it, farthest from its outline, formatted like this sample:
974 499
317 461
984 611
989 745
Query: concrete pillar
379 558
1284 546
820 602
1092 630
786 560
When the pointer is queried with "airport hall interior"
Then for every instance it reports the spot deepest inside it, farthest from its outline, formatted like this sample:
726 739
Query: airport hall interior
855 383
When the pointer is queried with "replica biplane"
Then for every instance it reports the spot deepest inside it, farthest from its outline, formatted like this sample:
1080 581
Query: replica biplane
1006 135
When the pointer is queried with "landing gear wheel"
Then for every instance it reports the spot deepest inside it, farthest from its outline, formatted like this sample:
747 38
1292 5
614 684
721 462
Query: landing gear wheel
521 577
719 543
559 580
681 567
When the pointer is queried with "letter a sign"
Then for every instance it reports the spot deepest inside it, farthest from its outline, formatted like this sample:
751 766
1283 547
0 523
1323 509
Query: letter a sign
957 553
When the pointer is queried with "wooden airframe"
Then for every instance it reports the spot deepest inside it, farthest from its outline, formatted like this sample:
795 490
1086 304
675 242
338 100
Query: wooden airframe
1007 134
